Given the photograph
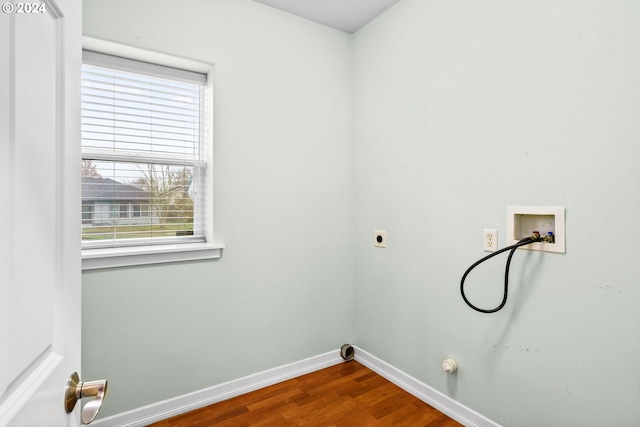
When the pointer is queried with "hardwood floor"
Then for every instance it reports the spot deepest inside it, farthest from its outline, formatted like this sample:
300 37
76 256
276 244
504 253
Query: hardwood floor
347 394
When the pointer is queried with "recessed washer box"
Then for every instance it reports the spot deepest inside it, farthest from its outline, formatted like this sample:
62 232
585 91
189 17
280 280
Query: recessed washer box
523 221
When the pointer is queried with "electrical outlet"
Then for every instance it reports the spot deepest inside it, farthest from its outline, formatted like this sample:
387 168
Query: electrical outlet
490 240
380 239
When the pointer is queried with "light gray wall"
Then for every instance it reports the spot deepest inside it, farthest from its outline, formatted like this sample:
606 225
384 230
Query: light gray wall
283 290
463 108
452 101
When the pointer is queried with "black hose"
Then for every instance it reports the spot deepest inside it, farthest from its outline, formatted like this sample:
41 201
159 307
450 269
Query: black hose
512 248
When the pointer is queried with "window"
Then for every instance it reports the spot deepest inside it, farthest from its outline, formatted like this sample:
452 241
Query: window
113 213
144 156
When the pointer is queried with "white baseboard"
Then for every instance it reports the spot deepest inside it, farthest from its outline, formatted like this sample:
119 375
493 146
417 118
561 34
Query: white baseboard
188 402
431 396
179 405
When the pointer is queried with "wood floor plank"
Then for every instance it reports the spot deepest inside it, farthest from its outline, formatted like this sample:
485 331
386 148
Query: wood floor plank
344 395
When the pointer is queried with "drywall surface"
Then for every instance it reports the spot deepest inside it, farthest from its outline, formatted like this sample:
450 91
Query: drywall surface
283 190
463 108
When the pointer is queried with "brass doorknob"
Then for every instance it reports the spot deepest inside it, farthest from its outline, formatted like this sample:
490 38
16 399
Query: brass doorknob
77 390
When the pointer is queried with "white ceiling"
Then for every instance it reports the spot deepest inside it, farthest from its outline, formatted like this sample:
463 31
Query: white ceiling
343 15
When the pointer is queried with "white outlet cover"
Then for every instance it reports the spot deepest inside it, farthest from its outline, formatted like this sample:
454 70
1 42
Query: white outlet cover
523 220
382 242
490 240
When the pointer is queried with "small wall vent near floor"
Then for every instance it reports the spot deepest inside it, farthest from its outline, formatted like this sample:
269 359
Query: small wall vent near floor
347 352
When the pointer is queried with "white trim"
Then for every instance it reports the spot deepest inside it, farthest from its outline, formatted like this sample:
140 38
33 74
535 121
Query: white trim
93 153
189 402
422 391
93 259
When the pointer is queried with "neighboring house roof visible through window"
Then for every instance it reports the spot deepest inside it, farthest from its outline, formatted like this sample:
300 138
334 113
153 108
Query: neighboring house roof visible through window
107 189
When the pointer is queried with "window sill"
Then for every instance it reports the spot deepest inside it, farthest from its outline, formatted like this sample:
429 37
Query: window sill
93 259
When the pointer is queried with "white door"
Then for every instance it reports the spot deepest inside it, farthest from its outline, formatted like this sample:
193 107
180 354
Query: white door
40 54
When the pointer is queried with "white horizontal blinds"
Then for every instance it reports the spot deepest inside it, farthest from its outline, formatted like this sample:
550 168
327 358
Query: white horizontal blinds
143 159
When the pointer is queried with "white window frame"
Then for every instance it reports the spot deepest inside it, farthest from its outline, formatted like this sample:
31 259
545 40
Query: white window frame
98 258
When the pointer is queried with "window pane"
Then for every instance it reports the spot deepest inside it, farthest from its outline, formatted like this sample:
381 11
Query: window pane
136 200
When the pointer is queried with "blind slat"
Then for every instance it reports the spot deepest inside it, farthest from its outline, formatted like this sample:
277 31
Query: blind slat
101 121
141 99
108 78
